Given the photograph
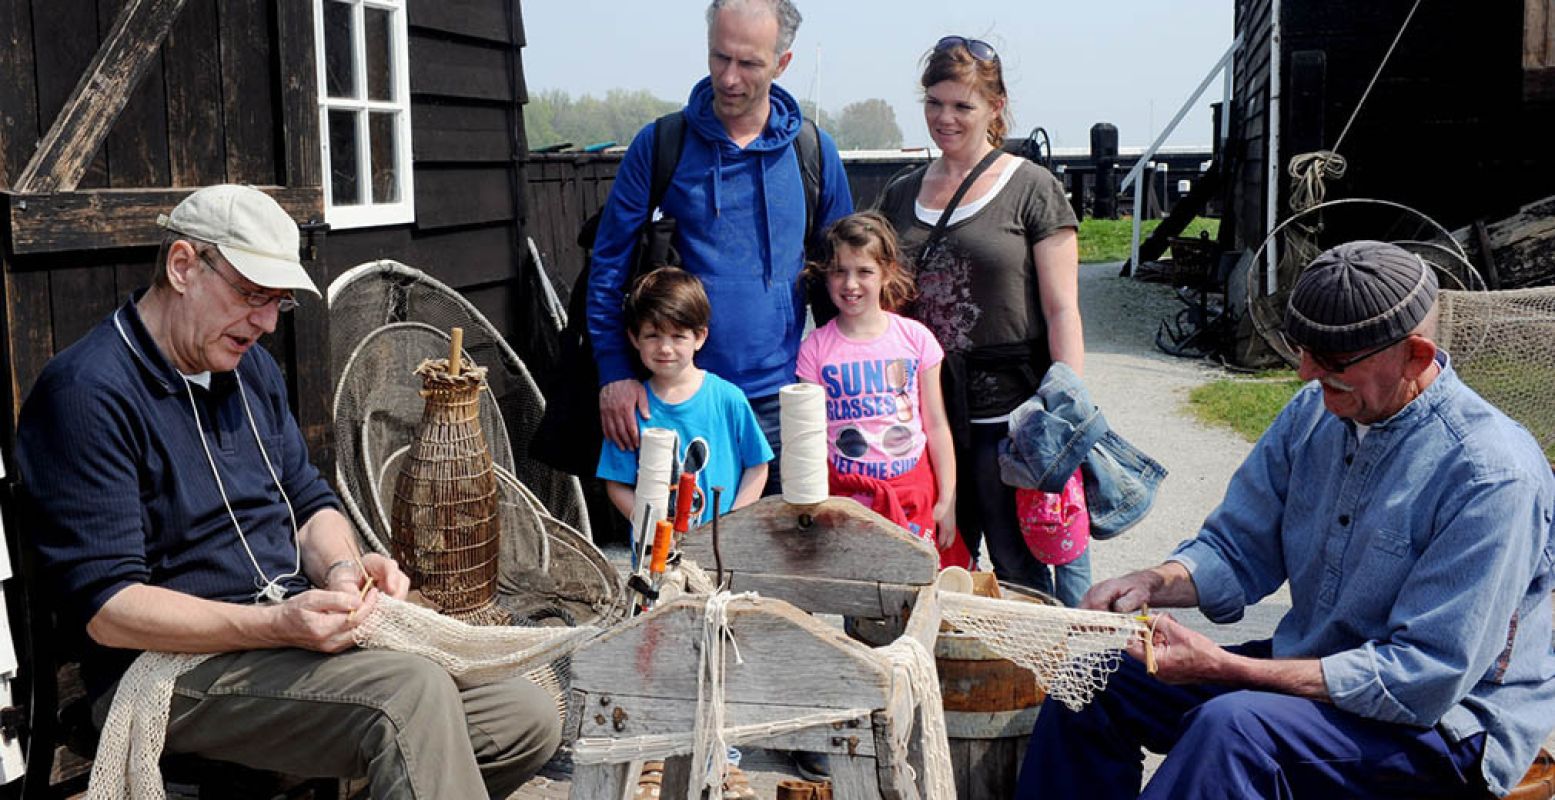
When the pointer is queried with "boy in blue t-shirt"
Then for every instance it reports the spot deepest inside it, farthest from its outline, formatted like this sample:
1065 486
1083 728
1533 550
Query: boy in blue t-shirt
667 313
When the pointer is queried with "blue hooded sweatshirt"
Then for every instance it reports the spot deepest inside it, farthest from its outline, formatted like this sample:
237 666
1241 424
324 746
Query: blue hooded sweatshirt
740 227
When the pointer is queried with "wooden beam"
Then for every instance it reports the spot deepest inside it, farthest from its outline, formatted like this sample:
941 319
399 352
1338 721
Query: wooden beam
18 90
104 218
1538 31
104 89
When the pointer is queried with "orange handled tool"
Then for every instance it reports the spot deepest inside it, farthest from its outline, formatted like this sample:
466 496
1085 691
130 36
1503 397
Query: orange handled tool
685 493
661 547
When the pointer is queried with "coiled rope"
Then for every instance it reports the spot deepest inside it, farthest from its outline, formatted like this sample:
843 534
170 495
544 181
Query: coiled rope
1308 171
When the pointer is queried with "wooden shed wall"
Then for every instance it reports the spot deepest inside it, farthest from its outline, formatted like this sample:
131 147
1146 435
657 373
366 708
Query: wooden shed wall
1247 157
1447 129
467 91
211 107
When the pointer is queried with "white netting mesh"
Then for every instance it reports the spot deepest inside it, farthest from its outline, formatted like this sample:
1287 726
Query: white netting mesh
1072 652
1503 346
127 766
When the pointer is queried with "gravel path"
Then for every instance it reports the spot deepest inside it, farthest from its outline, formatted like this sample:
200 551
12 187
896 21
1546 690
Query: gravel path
1144 393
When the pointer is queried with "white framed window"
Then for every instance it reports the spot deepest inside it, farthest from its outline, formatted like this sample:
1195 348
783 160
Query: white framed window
364 112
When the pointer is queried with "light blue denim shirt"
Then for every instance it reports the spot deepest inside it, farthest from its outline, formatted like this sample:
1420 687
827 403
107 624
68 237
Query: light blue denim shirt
1419 560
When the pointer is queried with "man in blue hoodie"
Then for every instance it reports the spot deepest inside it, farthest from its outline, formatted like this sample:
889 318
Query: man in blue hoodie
738 201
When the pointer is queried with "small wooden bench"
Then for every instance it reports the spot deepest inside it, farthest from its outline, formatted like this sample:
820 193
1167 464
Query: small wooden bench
1539 783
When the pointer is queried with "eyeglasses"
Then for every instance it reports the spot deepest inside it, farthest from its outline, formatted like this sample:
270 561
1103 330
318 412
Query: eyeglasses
283 302
1329 363
853 441
977 48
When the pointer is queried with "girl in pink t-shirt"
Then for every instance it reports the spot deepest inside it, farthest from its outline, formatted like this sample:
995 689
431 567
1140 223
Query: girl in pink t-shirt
888 437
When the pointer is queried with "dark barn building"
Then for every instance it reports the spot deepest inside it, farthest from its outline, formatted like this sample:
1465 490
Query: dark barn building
1457 125
390 128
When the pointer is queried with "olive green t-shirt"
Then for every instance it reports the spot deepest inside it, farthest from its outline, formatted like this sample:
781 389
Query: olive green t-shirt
979 285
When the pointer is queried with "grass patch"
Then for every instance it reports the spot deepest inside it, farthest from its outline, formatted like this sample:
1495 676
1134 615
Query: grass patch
1244 405
1108 239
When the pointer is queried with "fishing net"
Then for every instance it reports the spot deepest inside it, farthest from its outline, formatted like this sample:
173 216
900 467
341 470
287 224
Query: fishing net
127 763
382 293
1499 340
1071 652
445 529
1503 345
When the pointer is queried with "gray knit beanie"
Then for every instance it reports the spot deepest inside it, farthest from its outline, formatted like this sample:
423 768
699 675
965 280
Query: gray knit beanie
1358 296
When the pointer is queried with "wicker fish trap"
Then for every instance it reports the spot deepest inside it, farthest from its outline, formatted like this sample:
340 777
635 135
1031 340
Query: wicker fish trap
446 533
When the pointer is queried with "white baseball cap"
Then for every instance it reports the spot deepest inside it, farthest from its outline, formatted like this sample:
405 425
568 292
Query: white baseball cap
256 236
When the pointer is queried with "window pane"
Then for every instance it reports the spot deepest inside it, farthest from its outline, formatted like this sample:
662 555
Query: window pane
380 68
342 158
338 62
385 161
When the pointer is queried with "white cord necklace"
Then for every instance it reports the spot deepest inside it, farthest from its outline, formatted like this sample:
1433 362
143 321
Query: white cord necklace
270 590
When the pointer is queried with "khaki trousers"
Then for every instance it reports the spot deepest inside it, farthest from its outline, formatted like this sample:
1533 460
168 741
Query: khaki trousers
396 719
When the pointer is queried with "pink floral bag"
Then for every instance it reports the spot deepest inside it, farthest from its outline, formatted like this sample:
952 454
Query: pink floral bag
1056 527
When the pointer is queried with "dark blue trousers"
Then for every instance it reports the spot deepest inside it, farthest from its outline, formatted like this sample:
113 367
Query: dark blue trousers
1222 742
768 416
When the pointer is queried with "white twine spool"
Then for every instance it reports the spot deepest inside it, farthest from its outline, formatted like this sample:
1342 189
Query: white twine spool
803 420
655 459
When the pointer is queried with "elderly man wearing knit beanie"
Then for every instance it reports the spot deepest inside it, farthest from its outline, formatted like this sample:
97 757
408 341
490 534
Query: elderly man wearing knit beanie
1412 521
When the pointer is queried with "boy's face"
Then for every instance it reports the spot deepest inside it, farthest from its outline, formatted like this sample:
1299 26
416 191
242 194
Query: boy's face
668 352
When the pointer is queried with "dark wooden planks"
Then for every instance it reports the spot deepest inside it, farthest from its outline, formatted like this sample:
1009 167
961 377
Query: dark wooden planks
310 375
79 298
453 132
65 40
78 131
452 196
461 258
248 91
196 143
137 142
301 159
477 19
462 69
29 331
18 90
97 219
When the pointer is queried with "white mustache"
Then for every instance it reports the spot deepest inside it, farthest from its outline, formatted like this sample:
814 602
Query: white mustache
1335 384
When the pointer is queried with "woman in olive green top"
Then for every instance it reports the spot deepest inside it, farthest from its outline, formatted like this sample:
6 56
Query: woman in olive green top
999 289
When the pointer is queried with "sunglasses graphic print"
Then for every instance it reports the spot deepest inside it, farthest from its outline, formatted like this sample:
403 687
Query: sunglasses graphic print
873 426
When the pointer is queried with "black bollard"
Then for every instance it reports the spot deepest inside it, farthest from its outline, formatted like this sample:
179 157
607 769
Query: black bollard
1104 154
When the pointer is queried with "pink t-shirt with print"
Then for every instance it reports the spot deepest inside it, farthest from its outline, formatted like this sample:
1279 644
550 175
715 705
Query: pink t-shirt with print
874 421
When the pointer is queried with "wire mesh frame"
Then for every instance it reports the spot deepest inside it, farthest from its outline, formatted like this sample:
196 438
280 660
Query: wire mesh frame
1266 311
445 527
382 292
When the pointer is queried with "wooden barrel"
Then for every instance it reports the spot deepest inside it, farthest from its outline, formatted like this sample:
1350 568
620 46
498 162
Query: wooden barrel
990 706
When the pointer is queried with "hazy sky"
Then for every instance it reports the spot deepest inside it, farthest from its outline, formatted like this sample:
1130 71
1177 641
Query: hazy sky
1067 64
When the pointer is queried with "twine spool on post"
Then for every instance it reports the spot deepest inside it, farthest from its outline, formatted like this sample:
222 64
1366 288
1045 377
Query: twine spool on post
802 414
655 459
445 529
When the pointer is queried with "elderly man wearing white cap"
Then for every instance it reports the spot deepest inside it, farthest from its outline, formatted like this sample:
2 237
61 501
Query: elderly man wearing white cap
177 511
1412 521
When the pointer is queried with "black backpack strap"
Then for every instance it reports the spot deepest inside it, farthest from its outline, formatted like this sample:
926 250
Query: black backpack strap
669 136
807 147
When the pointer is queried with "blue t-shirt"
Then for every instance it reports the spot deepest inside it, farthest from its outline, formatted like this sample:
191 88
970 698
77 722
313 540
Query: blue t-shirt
718 414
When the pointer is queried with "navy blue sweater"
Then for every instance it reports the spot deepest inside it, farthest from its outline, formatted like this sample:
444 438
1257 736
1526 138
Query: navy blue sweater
108 449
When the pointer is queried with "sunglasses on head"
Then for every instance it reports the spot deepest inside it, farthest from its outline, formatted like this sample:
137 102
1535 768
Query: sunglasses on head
977 48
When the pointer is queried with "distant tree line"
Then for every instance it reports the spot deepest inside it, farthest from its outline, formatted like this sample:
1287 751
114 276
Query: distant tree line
553 117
